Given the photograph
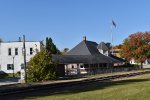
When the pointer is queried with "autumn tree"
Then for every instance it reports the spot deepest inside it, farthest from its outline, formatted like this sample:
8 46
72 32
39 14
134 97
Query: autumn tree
137 47
118 46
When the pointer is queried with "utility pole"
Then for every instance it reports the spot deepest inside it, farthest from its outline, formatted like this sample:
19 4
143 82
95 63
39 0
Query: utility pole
24 52
13 67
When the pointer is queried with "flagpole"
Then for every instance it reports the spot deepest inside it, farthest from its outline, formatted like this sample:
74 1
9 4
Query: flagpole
113 24
111 38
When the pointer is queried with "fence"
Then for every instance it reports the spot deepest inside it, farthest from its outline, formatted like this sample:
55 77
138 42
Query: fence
95 70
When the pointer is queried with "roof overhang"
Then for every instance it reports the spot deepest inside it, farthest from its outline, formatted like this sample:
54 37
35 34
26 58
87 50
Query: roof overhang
86 59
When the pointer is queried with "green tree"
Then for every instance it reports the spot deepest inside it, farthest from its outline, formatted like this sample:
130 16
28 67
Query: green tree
51 47
65 50
137 47
1 40
41 67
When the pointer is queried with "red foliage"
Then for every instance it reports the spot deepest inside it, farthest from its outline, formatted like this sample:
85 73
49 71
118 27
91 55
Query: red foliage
137 46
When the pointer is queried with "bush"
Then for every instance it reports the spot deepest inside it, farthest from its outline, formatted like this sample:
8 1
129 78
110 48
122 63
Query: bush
41 68
18 74
3 75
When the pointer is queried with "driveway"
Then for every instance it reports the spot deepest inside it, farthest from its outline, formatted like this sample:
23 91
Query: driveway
9 81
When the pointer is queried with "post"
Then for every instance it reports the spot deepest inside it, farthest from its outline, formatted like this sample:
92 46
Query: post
98 69
24 54
89 69
67 69
141 65
78 70
13 67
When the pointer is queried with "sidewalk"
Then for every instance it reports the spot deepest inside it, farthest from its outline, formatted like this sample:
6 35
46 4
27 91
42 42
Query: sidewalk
9 81
4 89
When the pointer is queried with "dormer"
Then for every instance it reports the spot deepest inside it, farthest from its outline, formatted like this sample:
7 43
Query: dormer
103 49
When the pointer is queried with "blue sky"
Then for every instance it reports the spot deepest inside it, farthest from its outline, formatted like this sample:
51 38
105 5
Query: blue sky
67 21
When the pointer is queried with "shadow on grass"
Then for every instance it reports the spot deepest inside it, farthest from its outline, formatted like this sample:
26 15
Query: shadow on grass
72 89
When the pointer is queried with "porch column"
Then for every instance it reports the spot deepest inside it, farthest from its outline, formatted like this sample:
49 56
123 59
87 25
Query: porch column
78 69
107 67
102 68
89 69
67 69
98 69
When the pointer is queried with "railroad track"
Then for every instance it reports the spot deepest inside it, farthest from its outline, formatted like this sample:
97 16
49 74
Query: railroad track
68 84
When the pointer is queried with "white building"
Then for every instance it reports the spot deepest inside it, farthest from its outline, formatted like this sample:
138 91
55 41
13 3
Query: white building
12 53
103 49
146 64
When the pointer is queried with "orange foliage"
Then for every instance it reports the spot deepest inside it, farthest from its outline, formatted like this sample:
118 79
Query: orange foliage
137 46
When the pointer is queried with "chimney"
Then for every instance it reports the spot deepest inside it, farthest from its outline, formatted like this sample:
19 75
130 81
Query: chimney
84 38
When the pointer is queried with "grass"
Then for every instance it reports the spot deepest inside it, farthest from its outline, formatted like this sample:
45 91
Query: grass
136 88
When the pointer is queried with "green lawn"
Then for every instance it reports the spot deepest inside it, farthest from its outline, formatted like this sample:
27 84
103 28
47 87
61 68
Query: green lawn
137 88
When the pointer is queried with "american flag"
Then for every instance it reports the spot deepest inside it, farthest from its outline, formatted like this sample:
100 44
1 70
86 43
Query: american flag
113 23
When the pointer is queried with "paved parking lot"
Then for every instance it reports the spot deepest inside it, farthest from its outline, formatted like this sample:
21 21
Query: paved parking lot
9 81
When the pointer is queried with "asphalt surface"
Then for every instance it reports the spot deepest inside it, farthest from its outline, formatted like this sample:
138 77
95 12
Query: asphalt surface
9 81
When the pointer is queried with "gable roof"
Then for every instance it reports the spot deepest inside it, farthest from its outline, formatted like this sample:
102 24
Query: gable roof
102 46
84 48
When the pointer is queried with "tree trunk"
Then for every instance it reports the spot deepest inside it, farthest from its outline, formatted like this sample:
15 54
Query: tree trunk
141 65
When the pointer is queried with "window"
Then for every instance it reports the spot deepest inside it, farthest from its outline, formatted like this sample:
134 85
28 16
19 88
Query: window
72 66
31 51
9 51
104 65
16 51
9 66
22 66
148 60
81 66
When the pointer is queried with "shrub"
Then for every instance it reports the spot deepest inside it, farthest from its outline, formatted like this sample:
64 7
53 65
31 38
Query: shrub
41 68
3 75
